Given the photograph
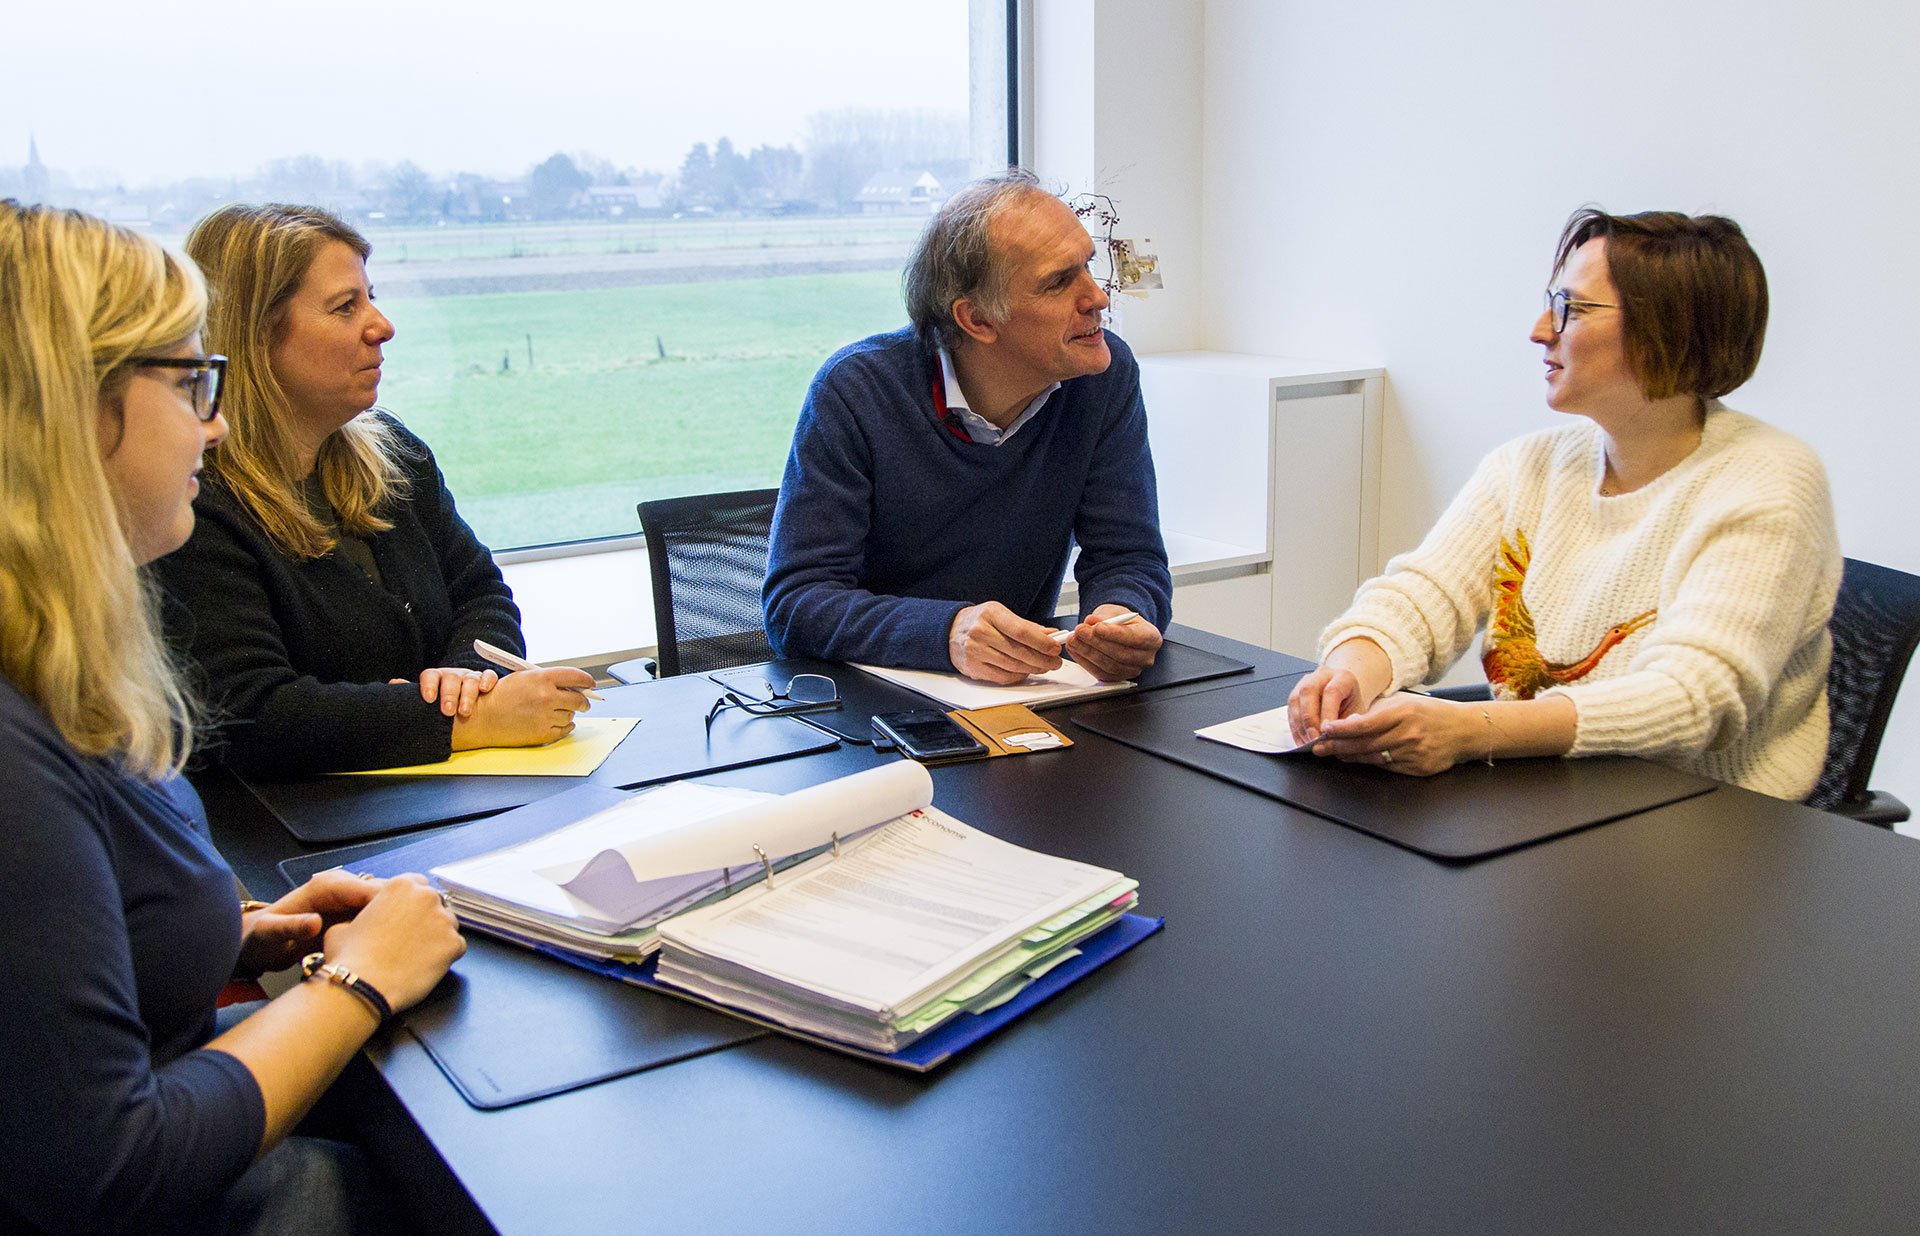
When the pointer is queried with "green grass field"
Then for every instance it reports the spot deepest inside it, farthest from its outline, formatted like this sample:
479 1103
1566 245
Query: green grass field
500 240
564 448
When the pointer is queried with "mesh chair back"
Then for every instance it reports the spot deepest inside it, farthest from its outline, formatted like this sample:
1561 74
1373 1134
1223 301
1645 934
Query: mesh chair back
1875 625
708 554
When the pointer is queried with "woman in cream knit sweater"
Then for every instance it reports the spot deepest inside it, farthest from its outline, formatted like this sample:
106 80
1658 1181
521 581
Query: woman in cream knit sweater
1655 579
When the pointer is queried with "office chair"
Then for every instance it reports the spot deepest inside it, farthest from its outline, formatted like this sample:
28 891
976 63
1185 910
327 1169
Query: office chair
1875 626
708 556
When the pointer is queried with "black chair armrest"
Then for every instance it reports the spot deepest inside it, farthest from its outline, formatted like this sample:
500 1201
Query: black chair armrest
1875 808
639 669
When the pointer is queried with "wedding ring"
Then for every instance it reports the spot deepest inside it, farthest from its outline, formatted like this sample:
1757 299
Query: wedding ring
1386 757
446 903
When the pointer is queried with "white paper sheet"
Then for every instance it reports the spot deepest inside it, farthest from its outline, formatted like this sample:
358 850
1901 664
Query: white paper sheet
511 875
630 863
1069 682
1267 732
780 826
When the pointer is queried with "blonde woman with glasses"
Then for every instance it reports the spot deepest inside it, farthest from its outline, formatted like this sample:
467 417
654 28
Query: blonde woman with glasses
331 595
124 1109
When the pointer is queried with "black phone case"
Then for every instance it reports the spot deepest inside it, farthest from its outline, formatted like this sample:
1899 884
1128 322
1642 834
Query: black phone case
973 750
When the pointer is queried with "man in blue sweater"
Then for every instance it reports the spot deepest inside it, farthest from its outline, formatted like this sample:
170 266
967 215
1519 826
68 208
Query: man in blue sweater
941 473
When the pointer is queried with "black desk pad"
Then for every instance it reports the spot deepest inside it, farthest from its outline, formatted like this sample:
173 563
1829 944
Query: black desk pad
670 742
507 1025
1469 812
1178 663
862 695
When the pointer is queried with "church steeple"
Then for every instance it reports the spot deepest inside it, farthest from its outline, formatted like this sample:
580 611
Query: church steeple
34 179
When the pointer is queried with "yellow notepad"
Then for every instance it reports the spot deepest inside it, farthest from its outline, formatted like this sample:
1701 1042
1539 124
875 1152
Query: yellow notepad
579 753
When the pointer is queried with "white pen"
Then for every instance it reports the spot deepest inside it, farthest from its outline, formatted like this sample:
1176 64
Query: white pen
506 660
1118 620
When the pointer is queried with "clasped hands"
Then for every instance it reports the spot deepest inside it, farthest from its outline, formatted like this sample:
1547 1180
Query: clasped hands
1408 733
526 709
396 933
993 644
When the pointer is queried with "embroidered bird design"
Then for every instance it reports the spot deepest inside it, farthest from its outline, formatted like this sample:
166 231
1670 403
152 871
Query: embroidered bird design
1515 668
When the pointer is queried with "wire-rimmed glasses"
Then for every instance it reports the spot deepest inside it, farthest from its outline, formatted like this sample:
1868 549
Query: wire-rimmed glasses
803 693
209 374
1558 303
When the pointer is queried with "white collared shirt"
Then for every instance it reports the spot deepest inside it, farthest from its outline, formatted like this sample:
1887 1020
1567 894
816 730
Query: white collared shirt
979 428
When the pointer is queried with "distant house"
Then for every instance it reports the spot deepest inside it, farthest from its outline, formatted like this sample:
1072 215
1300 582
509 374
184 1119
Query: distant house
622 201
900 193
475 199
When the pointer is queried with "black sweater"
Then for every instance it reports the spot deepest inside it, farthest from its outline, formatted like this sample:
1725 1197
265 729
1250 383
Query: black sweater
293 657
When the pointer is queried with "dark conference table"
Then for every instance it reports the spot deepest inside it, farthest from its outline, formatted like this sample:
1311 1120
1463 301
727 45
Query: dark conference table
1705 1018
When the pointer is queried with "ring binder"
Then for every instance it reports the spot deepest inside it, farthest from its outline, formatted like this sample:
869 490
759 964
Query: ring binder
766 864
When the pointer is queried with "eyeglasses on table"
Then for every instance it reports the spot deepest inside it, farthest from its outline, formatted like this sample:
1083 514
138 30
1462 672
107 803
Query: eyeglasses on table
803 693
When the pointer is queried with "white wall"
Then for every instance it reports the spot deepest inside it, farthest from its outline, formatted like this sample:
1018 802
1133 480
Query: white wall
1116 92
1382 183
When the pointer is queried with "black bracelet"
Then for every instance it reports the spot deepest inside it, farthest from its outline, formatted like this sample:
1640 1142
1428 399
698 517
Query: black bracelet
316 965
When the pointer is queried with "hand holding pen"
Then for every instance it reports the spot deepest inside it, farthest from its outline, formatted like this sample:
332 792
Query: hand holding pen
1118 620
530 707
1111 643
506 660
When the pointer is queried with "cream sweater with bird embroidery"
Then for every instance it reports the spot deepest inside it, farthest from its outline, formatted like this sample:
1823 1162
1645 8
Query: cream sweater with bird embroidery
1734 550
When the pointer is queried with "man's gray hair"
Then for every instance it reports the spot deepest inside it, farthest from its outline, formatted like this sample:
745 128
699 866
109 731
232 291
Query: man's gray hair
955 258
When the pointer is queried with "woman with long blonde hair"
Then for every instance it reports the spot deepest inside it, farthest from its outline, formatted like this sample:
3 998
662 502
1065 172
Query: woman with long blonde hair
119 923
331 594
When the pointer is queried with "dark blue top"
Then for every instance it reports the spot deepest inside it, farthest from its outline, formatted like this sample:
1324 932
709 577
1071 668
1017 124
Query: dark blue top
119 924
889 524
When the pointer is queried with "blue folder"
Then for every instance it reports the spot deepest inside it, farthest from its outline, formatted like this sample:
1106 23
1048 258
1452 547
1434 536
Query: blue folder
924 1054
954 1035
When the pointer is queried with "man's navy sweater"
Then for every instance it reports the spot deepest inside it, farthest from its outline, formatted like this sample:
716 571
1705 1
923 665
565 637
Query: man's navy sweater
889 523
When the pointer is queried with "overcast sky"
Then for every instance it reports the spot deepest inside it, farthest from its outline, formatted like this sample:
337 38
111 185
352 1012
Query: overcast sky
163 91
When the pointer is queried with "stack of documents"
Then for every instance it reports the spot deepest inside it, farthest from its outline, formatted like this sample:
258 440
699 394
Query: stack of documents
853 912
918 921
513 892
600 886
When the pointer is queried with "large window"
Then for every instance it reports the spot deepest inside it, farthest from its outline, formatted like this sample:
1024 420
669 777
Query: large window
616 240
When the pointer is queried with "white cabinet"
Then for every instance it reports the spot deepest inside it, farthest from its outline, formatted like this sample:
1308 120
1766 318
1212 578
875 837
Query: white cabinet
1269 471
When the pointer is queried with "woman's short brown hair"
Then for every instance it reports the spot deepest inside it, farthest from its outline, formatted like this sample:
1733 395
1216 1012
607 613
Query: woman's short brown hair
1693 296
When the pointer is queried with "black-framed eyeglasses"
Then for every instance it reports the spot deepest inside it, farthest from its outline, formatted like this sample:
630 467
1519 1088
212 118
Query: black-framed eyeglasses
1558 303
803 693
209 375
